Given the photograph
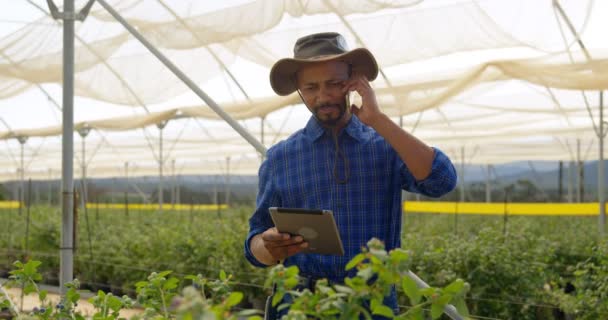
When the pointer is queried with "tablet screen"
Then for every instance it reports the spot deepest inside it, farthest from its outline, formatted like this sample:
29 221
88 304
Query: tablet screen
317 227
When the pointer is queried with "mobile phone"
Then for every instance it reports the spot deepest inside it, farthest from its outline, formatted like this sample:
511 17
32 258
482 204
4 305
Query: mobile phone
353 97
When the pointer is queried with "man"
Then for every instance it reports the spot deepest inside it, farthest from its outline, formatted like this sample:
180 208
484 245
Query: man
352 160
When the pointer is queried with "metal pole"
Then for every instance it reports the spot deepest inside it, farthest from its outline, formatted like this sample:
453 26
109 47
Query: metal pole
161 161
570 181
262 129
67 168
449 309
50 201
462 181
488 187
600 171
173 182
210 102
22 140
560 180
177 190
127 189
227 181
83 132
578 170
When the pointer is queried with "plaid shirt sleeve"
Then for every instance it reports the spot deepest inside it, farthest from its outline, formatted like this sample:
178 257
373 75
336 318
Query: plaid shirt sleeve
440 181
267 197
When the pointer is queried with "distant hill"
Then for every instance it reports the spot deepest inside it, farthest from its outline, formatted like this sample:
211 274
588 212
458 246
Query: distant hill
207 188
545 174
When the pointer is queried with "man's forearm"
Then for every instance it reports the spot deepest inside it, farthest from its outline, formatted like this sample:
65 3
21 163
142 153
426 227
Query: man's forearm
417 156
256 245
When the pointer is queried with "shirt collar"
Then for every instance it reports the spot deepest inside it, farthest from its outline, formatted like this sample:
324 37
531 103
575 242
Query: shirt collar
357 130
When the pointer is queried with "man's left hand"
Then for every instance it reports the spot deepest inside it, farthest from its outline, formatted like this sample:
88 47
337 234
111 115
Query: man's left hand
369 112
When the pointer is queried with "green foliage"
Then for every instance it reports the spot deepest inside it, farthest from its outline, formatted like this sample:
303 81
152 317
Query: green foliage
520 274
108 306
589 300
153 294
378 272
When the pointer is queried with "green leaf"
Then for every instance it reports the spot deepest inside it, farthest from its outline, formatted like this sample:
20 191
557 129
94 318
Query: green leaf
171 283
399 255
366 273
291 282
277 298
375 304
72 295
292 271
454 287
29 287
383 311
4 304
436 310
30 267
461 306
344 289
223 275
248 312
411 289
233 299
355 261
42 295
427 292
416 313
114 303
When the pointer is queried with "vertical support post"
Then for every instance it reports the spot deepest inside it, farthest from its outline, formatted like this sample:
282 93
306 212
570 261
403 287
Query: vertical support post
161 163
67 168
488 186
570 181
84 132
50 187
560 180
177 190
227 187
173 183
22 140
127 189
462 180
600 171
215 196
579 180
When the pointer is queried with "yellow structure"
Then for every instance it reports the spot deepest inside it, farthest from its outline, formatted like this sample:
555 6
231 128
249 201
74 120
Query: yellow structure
483 208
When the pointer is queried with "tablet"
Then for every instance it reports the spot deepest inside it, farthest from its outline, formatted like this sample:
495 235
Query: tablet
317 227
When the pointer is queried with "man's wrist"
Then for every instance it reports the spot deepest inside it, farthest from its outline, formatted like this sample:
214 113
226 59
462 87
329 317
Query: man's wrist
256 245
379 121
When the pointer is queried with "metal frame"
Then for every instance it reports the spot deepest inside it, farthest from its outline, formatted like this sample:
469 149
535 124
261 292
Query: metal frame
599 131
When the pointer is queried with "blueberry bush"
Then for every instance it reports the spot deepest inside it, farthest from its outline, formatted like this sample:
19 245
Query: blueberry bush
517 267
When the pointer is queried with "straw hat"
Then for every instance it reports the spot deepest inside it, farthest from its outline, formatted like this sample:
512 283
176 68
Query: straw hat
318 47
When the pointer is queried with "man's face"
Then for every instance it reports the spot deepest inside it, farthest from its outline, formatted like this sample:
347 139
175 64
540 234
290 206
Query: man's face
321 85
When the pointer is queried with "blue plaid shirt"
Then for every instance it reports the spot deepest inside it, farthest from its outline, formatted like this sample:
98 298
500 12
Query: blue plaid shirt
299 173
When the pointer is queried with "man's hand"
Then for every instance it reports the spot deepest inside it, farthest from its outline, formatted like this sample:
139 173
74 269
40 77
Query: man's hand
272 246
369 112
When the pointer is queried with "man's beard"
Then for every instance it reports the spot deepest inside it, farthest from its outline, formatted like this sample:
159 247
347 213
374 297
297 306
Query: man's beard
330 122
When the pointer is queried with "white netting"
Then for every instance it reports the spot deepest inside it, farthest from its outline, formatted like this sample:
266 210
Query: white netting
490 76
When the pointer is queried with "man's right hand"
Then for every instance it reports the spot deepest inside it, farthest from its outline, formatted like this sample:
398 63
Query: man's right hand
278 246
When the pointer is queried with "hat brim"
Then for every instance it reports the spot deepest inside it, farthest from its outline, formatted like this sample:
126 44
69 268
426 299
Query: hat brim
282 79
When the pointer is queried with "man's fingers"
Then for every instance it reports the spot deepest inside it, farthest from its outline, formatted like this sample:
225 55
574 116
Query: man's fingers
291 250
273 234
283 243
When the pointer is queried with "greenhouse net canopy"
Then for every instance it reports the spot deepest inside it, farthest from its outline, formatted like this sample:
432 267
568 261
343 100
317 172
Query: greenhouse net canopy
493 81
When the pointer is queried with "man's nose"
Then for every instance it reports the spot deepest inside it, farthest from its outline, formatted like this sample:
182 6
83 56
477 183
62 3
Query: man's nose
324 95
